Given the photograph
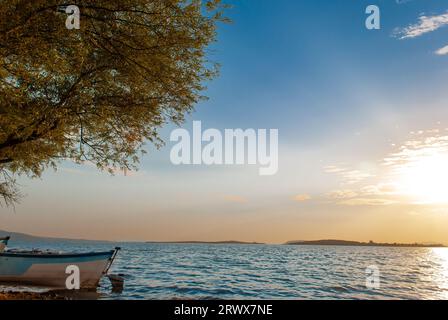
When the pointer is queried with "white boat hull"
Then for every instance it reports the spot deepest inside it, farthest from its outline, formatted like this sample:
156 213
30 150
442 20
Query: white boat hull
50 270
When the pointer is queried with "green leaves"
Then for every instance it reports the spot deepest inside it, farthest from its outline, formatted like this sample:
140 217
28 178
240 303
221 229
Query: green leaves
98 93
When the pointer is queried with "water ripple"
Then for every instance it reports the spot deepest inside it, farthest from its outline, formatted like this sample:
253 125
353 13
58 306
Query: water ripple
200 271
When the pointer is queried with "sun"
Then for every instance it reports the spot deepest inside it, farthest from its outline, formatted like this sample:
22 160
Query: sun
424 177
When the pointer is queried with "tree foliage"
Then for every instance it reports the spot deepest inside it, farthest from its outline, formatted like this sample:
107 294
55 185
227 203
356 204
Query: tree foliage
98 93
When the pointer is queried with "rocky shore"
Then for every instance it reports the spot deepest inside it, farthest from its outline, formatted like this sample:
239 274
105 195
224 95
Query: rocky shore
29 296
50 295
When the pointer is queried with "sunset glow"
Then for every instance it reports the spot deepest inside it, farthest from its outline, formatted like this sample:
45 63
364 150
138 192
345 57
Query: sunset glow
426 179
420 168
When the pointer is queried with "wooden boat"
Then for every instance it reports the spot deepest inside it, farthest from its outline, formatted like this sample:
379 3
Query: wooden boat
48 269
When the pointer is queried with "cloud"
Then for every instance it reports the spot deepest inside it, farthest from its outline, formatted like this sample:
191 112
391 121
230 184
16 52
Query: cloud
363 196
333 169
425 25
367 202
342 194
379 189
348 176
234 199
414 173
355 176
301 197
442 51
418 148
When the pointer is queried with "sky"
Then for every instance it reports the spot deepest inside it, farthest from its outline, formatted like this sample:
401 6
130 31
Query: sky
363 138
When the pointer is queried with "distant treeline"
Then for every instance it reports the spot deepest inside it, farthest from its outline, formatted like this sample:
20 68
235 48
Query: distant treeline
361 244
204 242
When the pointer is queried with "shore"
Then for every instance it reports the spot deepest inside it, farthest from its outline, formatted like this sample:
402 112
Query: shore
362 244
29 296
50 295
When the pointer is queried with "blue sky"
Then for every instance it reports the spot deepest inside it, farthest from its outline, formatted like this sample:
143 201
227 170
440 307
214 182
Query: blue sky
344 98
313 62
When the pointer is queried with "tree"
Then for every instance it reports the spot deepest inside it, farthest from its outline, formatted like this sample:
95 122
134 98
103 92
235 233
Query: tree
97 93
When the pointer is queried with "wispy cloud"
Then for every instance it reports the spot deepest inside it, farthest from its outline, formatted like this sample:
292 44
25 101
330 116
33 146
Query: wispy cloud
414 173
442 51
234 198
365 196
380 189
301 197
420 147
342 194
424 25
367 202
333 169
348 175
420 167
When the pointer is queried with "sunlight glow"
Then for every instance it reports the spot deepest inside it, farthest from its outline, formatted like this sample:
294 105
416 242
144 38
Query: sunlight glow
440 276
425 177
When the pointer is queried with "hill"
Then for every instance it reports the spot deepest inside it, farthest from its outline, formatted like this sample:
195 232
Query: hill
23 237
360 244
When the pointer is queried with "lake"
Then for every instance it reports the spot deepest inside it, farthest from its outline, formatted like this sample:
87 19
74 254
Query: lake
203 271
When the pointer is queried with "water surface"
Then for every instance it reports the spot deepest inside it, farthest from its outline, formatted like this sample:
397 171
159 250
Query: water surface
202 271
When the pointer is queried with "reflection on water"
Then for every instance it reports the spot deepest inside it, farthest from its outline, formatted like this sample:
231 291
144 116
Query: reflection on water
440 277
200 271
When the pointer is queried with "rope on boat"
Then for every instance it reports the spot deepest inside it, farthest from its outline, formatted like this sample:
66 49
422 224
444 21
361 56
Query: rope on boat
117 281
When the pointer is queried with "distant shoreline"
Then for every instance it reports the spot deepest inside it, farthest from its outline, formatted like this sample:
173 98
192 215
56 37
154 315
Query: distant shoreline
23 237
204 242
362 244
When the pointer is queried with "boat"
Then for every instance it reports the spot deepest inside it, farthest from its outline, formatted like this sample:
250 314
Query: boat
50 269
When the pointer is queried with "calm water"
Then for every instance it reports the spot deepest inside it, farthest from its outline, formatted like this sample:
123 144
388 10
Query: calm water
197 271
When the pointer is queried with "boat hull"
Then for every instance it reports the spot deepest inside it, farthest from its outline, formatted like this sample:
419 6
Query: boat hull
49 270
